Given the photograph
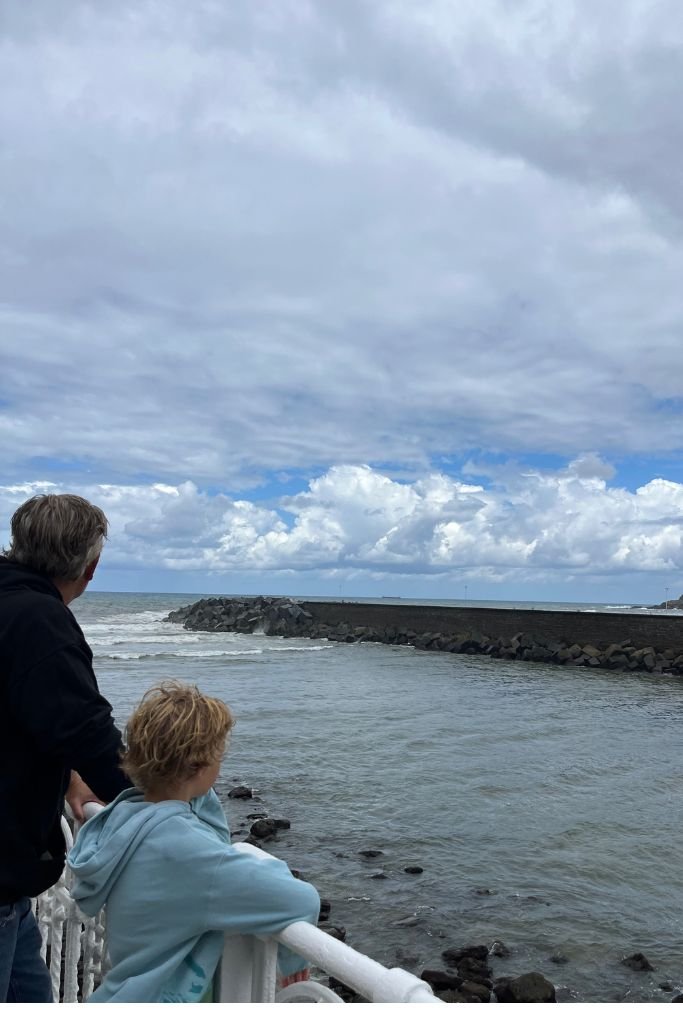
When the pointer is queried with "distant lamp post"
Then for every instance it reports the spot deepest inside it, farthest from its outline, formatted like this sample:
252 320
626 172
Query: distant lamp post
465 592
666 603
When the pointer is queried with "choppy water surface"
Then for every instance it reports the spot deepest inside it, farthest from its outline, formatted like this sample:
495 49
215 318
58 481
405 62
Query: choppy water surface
544 804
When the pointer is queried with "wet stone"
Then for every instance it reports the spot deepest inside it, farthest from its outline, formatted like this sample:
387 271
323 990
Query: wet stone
440 980
527 988
637 962
263 828
453 996
456 954
558 958
472 988
241 793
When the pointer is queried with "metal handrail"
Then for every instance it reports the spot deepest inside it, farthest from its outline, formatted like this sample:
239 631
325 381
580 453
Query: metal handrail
248 968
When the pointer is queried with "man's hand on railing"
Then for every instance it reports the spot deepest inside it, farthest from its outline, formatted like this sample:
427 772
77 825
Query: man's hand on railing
297 976
80 793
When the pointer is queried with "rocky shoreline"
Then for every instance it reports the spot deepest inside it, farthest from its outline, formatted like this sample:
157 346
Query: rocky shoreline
277 616
468 974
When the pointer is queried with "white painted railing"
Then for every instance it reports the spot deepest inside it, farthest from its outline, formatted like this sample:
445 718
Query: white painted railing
247 973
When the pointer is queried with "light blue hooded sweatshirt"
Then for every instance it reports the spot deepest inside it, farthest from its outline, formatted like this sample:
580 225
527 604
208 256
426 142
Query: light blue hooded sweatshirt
173 884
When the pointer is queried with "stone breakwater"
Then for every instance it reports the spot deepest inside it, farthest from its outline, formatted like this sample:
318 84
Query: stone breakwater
628 643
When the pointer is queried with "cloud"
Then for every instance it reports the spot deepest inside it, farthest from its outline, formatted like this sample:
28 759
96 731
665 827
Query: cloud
358 522
243 239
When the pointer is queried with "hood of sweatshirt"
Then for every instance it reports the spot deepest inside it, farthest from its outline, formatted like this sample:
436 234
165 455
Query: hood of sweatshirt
15 576
106 843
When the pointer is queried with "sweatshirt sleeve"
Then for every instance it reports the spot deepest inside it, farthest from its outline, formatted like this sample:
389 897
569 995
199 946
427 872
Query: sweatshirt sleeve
259 896
58 705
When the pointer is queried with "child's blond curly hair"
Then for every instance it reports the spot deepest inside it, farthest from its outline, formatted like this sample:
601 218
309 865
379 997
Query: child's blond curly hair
174 732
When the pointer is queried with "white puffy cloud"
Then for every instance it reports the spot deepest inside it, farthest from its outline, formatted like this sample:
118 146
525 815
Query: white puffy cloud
359 522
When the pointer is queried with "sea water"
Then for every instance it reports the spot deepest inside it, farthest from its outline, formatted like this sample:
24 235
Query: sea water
543 803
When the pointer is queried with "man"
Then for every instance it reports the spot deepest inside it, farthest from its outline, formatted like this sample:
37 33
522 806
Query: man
57 734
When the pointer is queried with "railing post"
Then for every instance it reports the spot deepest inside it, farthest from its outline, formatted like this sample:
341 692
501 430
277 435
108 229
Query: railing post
247 972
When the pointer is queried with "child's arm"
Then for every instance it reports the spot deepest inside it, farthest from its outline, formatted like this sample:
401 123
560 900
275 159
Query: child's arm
258 896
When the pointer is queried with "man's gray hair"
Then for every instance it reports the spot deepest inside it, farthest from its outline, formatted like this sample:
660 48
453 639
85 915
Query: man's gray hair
57 534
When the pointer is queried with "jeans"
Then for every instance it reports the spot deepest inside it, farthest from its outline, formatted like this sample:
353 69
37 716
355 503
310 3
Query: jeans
24 978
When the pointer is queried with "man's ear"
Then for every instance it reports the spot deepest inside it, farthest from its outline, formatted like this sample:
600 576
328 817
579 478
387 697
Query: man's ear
90 570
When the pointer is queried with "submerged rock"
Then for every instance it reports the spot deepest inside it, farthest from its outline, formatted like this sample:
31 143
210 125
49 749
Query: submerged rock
558 958
241 793
527 988
637 962
263 828
455 955
413 869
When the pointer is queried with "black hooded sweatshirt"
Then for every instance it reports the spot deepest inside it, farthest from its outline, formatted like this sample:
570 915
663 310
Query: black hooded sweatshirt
52 719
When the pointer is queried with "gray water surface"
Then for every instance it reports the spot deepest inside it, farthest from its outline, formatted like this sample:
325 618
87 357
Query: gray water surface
542 802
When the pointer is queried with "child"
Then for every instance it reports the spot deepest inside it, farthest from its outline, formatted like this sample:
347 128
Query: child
160 857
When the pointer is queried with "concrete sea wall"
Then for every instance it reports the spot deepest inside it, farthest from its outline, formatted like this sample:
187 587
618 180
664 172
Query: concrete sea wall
637 643
658 631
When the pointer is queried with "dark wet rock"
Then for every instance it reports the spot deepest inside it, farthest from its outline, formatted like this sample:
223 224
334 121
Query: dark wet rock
637 962
440 980
253 841
666 986
379 874
499 949
241 793
472 988
256 815
263 828
336 931
475 970
527 988
413 869
298 874
452 995
371 853
282 823
325 910
485 892
456 954
406 957
678 998
558 958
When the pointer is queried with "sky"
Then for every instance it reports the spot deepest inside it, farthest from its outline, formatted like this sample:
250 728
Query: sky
357 298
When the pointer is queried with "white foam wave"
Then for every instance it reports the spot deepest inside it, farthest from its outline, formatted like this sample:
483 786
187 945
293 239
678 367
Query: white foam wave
244 652
139 655
311 647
